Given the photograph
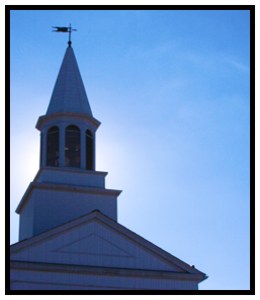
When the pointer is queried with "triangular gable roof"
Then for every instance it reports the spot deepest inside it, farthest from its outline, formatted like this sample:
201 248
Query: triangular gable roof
69 93
98 241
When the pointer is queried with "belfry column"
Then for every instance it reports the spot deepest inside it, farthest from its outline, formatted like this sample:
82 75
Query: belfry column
83 149
62 145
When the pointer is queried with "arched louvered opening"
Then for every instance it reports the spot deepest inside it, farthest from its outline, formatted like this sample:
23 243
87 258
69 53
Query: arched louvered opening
89 151
53 147
72 146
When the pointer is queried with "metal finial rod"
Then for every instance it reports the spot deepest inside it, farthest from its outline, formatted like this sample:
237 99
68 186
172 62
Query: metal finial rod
69 35
65 29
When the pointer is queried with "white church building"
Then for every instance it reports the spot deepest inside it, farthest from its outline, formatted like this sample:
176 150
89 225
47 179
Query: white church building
69 237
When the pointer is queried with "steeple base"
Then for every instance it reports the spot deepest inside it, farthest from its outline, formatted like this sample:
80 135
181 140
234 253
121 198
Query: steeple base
58 196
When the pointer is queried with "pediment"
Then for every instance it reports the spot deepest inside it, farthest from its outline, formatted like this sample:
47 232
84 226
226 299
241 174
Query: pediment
96 240
93 244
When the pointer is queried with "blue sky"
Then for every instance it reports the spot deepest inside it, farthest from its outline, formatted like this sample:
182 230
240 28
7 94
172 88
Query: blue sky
171 89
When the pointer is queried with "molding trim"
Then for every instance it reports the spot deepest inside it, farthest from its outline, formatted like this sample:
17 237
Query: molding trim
102 271
61 116
64 187
71 170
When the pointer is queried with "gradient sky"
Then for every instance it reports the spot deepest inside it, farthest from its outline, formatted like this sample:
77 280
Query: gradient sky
171 89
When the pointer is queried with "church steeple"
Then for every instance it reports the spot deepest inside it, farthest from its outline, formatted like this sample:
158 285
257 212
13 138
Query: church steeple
67 185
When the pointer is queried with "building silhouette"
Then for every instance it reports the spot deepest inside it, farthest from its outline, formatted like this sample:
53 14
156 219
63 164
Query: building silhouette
69 237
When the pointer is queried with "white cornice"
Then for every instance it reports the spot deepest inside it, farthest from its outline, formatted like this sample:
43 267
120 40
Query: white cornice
64 187
104 271
65 116
69 170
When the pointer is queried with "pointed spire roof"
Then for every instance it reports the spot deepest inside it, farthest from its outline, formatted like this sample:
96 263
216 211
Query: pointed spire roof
69 94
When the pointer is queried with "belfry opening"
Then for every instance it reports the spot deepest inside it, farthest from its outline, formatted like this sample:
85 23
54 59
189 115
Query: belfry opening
72 146
52 159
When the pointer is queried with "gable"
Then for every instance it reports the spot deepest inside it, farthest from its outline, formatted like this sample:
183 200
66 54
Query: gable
93 244
95 241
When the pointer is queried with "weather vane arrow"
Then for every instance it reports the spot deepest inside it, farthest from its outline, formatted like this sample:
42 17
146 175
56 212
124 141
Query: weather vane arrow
65 29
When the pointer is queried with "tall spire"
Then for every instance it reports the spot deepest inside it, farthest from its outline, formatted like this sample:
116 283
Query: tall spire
69 94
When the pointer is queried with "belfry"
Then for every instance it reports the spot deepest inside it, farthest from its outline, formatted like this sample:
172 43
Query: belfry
69 237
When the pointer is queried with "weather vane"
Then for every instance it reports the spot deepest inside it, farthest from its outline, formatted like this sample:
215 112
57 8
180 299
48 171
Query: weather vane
65 29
